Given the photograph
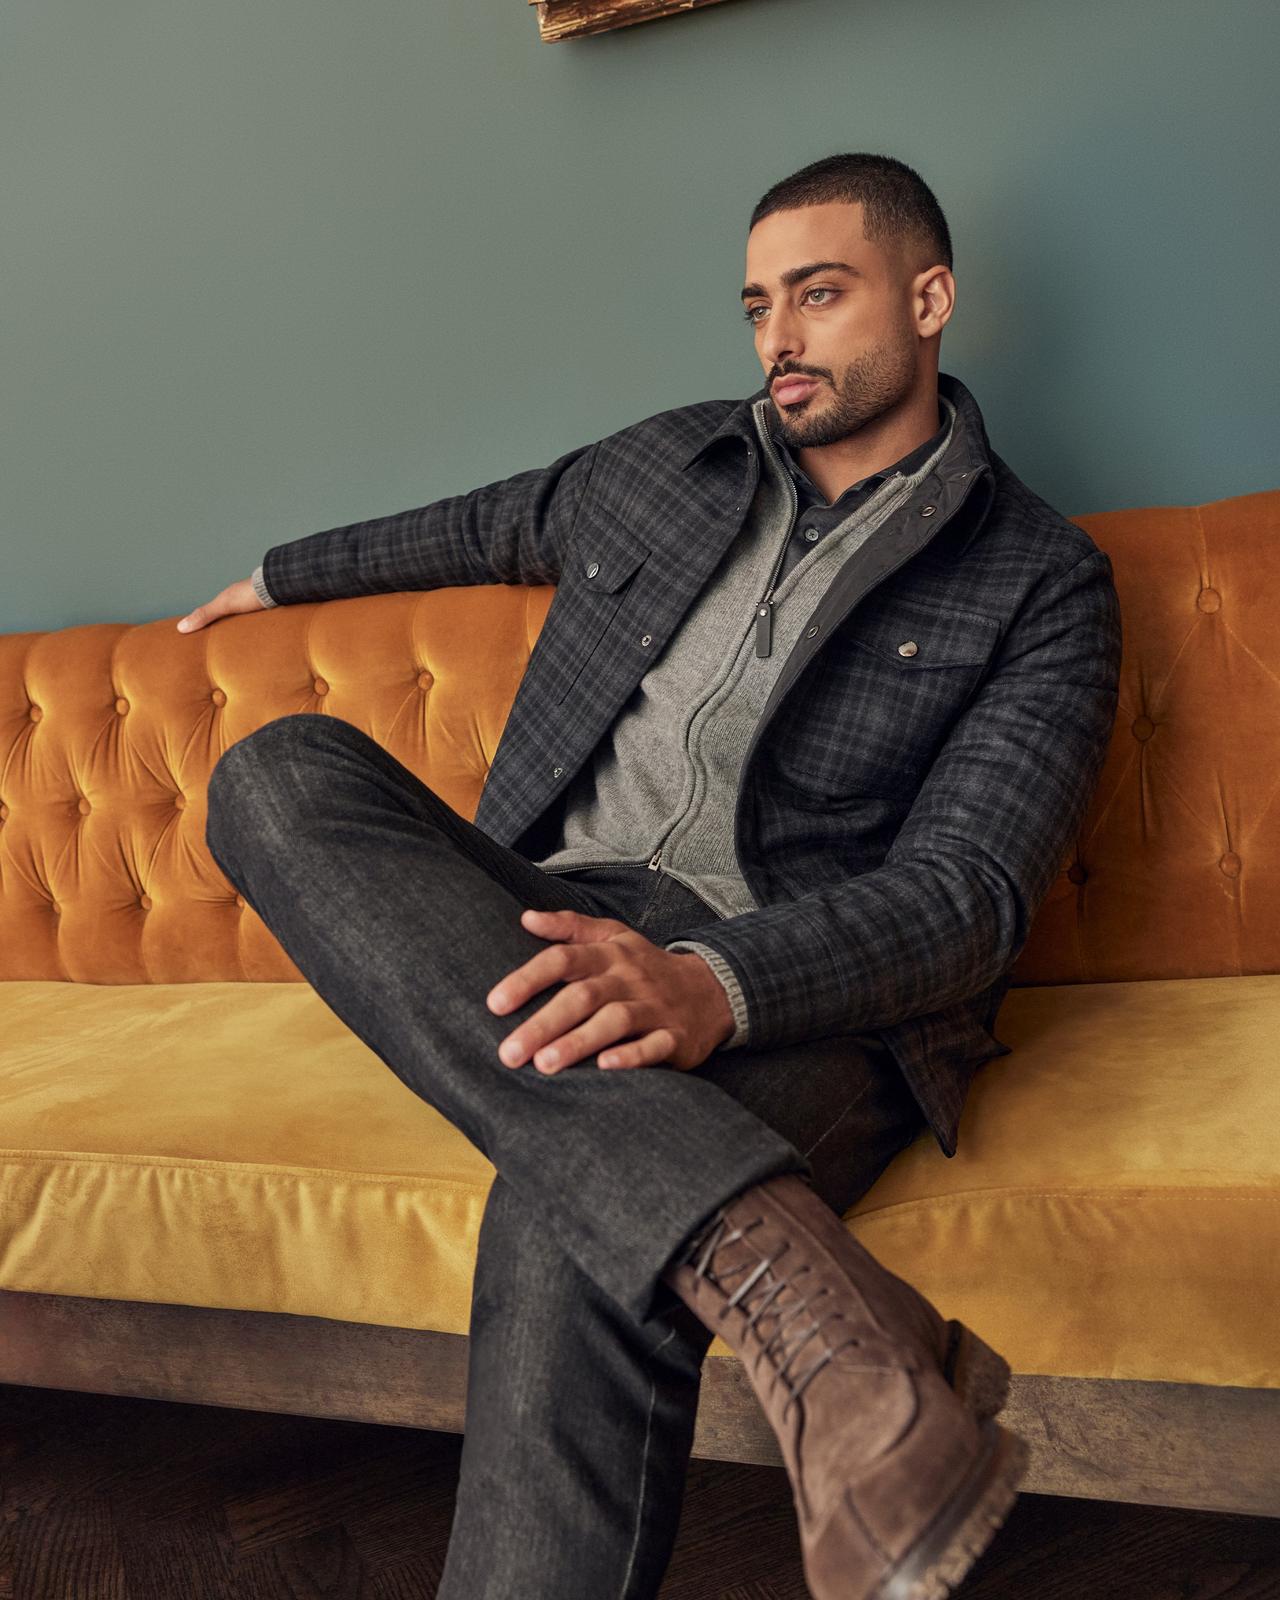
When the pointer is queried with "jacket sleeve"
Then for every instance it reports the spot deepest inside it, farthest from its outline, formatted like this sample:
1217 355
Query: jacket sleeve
513 531
949 908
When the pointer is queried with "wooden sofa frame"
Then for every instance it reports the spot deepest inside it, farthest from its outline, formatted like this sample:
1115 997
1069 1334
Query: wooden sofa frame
1200 1447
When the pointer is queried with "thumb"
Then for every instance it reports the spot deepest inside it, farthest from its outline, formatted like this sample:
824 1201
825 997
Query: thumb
574 927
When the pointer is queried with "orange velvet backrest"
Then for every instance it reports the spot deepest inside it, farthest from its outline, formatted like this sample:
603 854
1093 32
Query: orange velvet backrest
108 733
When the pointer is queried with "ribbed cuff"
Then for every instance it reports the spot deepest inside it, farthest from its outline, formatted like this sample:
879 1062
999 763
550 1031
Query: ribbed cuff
728 981
260 587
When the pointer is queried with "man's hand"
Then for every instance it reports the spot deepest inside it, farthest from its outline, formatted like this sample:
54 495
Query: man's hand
234 598
616 983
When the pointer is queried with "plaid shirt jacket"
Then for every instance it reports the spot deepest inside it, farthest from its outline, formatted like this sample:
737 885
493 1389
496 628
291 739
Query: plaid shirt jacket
901 813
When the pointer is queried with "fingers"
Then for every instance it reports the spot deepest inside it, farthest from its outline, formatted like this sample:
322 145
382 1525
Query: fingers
565 1046
660 1045
577 927
593 963
555 962
573 1024
234 598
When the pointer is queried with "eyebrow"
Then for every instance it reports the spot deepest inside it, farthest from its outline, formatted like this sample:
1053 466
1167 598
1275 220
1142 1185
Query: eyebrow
793 275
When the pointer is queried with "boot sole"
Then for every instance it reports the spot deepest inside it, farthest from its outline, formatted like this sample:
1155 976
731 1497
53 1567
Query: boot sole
940 1558
977 1373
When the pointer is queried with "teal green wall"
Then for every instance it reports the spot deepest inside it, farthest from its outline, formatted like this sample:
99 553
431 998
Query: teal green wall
268 266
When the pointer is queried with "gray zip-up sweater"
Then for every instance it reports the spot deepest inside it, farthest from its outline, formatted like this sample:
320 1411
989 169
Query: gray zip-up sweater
660 790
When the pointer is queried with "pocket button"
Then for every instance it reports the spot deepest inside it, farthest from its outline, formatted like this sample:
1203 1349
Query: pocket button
908 648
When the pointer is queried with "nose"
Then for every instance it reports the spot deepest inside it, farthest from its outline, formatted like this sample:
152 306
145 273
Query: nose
780 343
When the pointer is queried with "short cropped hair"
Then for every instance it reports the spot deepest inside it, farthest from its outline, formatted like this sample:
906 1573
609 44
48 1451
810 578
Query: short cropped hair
899 210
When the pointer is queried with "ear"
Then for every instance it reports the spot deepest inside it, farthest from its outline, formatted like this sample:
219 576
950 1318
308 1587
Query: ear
933 300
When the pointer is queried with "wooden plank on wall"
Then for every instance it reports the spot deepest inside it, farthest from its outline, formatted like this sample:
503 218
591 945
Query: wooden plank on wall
573 19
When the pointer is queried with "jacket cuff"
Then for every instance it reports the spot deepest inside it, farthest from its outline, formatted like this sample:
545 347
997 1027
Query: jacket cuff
260 587
729 982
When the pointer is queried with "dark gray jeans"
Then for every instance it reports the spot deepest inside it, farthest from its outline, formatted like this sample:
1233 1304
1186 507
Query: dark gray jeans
584 1367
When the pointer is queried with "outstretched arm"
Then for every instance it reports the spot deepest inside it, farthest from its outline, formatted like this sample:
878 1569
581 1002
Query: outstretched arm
515 530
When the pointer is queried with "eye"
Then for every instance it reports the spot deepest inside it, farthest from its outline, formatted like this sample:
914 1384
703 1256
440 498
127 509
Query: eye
750 313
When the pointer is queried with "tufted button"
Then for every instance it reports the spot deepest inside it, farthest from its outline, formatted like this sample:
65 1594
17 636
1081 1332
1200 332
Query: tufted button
593 569
1230 864
646 639
1076 872
810 633
240 901
219 697
145 902
320 686
1209 600
83 806
927 511
908 647
1143 727
180 802
425 680
35 713
122 705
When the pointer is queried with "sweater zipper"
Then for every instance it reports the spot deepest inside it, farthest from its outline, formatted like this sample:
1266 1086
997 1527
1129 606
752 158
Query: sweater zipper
654 864
764 608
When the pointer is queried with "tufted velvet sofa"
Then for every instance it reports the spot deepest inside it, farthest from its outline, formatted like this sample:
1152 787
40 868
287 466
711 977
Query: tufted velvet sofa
211 1191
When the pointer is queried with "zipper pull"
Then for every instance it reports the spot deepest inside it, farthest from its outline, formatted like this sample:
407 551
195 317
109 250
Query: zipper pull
653 864
764 628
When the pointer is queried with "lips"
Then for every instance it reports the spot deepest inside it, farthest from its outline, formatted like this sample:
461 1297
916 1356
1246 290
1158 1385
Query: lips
788 390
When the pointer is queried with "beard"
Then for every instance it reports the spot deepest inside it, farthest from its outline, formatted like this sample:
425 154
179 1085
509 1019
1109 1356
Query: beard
873 384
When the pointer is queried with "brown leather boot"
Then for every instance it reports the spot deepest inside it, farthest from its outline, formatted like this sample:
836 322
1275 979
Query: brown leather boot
898 1485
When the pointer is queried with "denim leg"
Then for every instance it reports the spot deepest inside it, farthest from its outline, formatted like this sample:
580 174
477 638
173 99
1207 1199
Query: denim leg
580 1420
402 916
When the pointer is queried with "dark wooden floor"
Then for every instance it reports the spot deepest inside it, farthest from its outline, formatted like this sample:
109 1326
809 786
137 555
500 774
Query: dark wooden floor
106 1499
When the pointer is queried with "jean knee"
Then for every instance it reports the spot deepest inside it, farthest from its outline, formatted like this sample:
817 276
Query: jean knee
237 780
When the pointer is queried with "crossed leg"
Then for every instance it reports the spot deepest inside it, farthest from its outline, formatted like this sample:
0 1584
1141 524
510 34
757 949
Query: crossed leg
402 916
580 1419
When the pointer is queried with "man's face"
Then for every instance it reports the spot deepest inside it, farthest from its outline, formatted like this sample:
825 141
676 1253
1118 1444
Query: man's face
851 332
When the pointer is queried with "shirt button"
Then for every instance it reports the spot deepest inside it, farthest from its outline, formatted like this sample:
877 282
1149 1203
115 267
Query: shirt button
908 648
593 569
811 633
647 639
556 771
927 511
811 533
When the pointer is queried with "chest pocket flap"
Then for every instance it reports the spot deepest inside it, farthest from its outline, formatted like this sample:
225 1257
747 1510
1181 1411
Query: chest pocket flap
917 636
608 554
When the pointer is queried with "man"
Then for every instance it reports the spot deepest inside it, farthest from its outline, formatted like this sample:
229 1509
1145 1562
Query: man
817 710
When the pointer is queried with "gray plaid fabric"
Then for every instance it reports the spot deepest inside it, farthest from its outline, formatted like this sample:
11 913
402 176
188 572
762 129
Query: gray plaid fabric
947 711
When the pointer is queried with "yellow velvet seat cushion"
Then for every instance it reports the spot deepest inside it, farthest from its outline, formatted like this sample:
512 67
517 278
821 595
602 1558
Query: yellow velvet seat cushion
1114 1209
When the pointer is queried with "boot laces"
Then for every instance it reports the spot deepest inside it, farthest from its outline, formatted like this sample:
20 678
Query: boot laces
758 1291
